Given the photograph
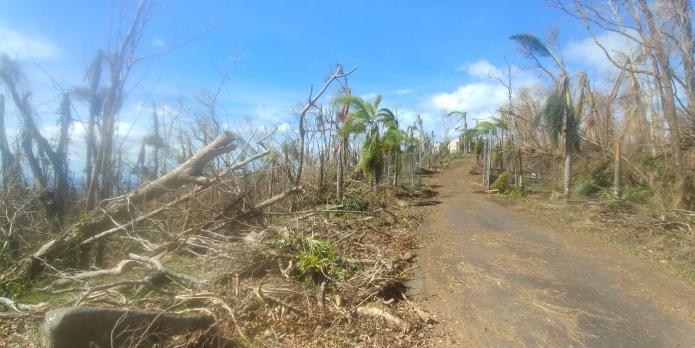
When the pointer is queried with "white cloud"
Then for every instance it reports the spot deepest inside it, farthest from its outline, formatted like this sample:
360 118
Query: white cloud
284 127
481 69
403 91
272 113
369 96
586 52
23 46
475 98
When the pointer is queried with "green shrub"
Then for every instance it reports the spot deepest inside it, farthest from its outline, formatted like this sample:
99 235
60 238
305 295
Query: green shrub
585 186
515 192
636 194
502 183
355 203
478 147
600 179
317 258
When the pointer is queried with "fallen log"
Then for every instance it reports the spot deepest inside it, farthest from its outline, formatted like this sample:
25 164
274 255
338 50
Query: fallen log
189 172
112 327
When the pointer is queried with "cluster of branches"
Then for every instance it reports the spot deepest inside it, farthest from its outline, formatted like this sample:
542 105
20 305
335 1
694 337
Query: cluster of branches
644 114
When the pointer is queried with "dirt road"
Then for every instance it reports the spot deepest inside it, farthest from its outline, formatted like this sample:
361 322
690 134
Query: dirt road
498 278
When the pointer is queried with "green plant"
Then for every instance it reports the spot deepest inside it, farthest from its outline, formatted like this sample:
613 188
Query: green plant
562 111
365 118
358 203
515 192
599 180
11 290
501 183
636 194
317 258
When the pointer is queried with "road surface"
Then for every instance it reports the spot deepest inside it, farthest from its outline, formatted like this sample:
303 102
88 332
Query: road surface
495 277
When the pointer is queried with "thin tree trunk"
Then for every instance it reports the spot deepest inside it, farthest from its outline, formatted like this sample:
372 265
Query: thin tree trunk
667 90
617 172
569 147
341 168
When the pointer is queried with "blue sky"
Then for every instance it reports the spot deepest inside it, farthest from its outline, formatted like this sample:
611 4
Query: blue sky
421 55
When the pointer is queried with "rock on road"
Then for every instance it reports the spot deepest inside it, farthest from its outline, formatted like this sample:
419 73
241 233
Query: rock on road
496 277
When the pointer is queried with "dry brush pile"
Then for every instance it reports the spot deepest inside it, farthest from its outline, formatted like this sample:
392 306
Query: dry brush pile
270 266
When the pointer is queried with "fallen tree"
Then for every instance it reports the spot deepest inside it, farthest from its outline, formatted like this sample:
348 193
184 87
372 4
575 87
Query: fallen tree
104 219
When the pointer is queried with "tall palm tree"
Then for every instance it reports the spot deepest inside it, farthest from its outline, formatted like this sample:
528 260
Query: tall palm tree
366 118
560 113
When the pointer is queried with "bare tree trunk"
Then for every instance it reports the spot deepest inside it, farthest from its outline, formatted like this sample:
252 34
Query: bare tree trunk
60 167
95 106
341 168
617 172
156 143
666 91
569 148
9 168
684 22
396 170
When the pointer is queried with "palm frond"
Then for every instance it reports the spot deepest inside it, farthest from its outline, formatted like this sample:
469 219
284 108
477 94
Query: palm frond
500 123
534 46
377 101
553 115
532 43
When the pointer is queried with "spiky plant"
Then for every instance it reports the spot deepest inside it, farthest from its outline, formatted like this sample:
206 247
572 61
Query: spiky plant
366 118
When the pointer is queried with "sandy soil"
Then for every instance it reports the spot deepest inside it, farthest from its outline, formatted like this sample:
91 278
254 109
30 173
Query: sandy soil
495 277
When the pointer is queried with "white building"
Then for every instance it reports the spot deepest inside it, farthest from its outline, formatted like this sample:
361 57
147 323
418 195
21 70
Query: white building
454 145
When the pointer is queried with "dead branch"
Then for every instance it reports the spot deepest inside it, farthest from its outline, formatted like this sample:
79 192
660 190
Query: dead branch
393 320
22 307
119 208
182 279
122 266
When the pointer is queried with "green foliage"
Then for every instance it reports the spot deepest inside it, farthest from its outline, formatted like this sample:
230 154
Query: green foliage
636 194
11 290
600 179
371 161
316 258
366 117
501 183
479 147
553 115
358 203
515 192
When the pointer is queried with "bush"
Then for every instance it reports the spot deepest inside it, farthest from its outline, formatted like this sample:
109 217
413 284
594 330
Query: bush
355 203
317 258
600 179
502 182
636 194
515 192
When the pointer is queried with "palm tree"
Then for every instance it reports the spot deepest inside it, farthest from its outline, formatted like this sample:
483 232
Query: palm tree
488 130
365 118
392 140
462 116
560 114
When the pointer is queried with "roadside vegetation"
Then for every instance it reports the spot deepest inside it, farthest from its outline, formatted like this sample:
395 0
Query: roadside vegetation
307 238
